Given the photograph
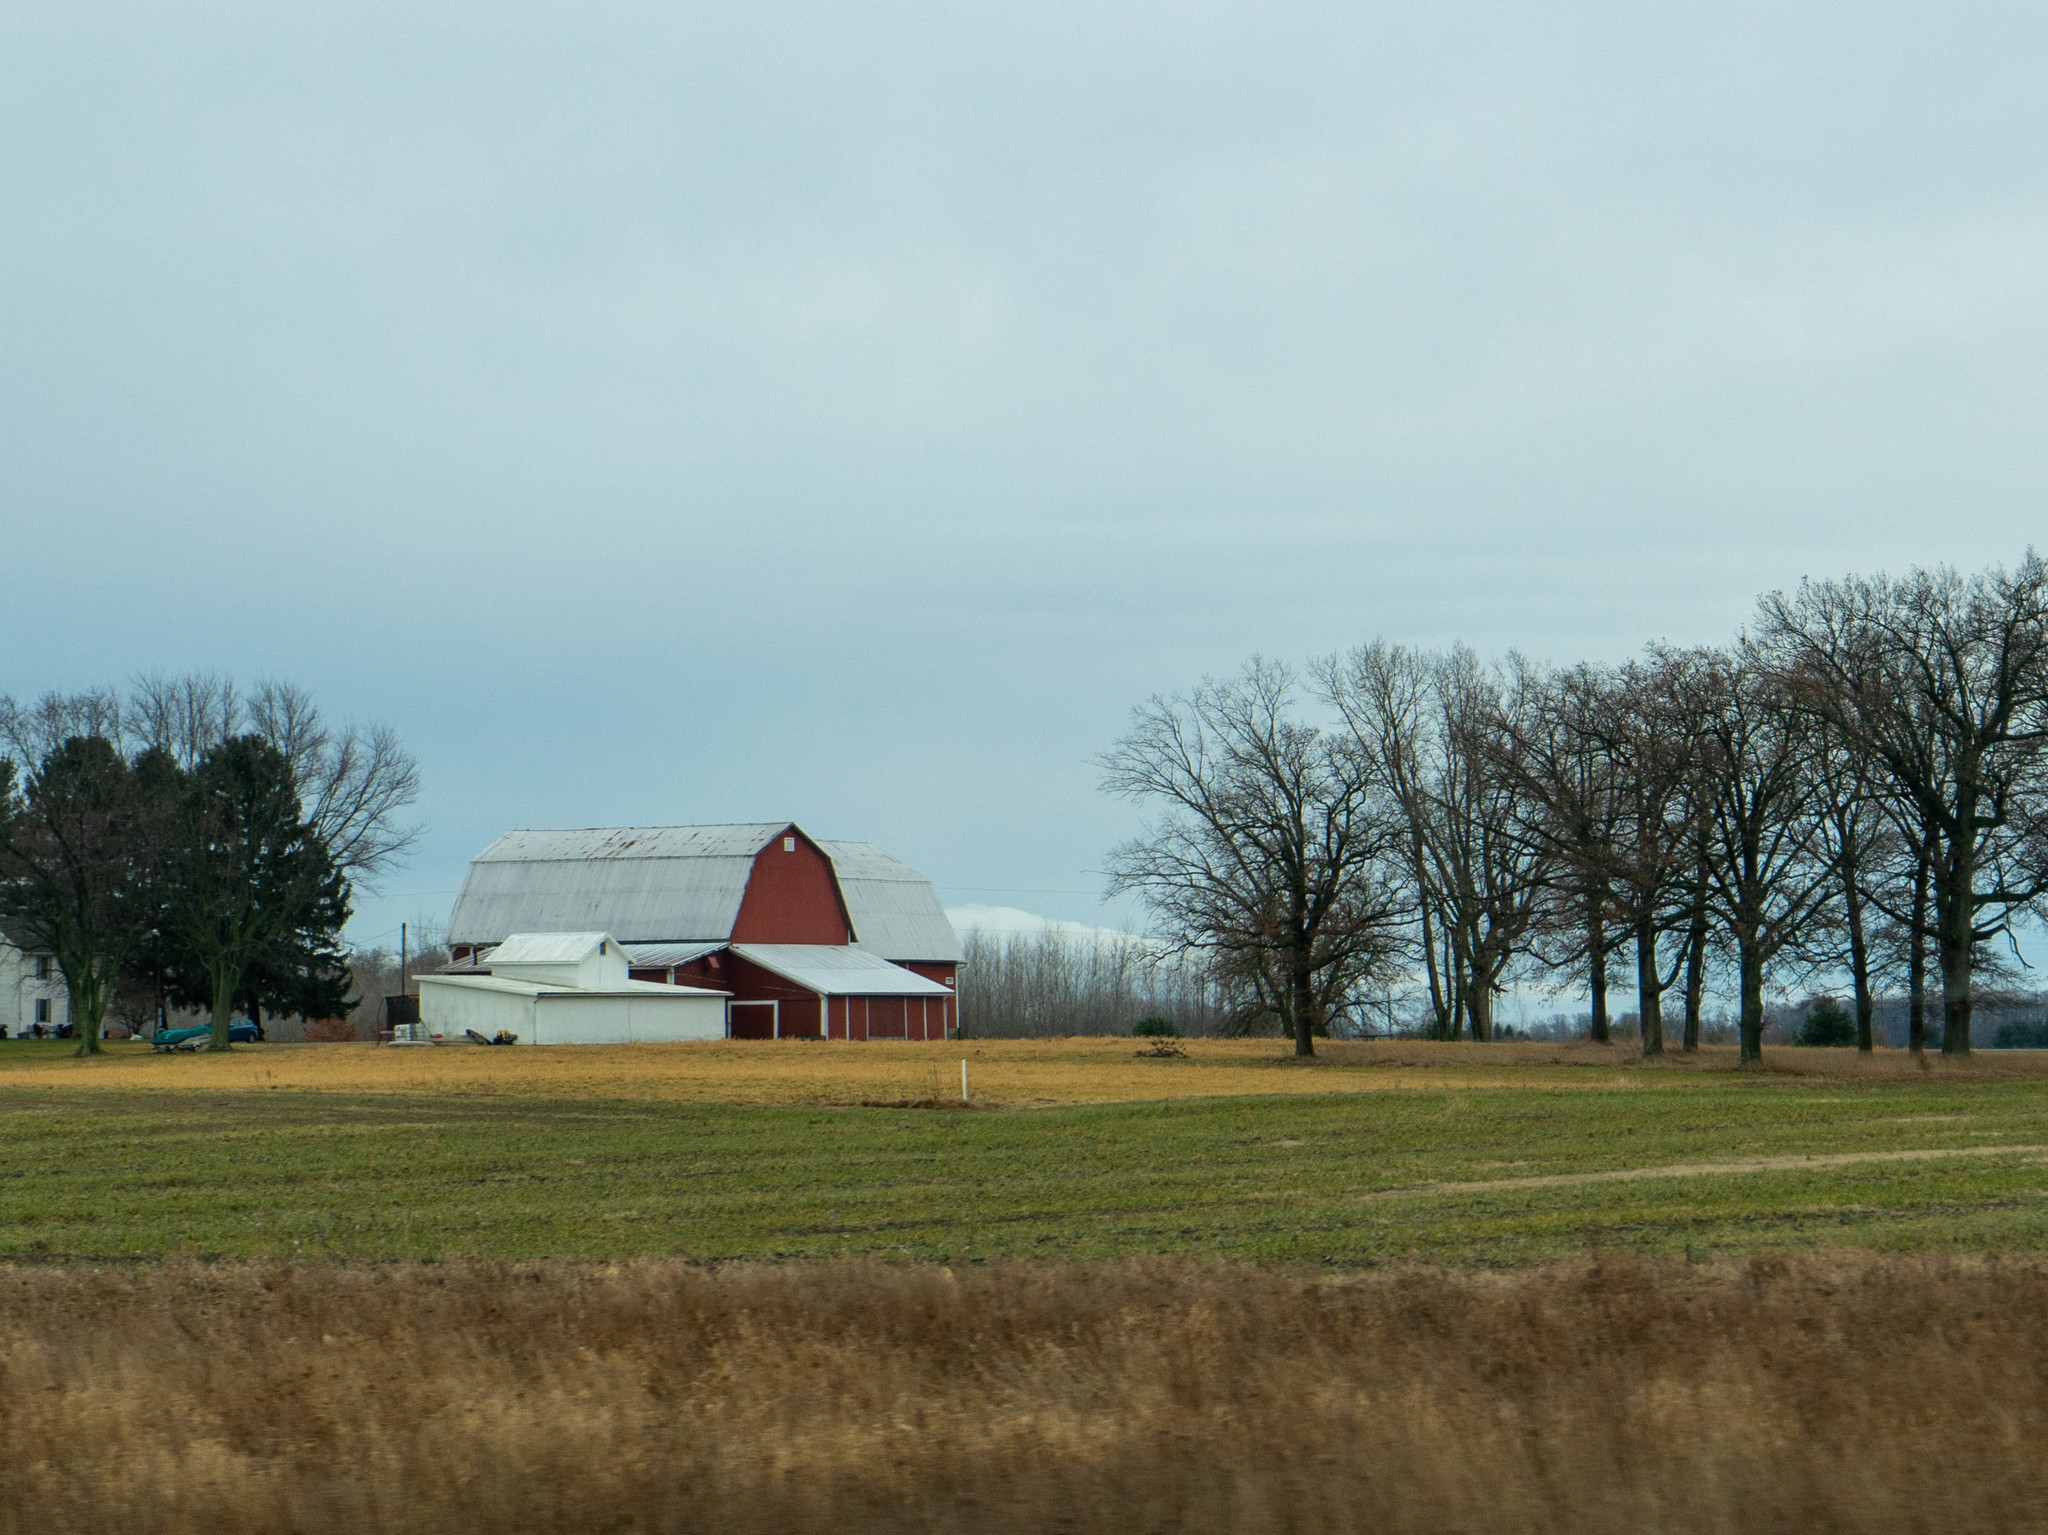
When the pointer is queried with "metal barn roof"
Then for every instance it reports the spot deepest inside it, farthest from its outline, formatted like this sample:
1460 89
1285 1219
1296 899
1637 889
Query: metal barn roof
894 909
666 885
839 970
650 884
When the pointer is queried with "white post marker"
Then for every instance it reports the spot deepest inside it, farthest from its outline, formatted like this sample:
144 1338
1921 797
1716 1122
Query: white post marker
963 1081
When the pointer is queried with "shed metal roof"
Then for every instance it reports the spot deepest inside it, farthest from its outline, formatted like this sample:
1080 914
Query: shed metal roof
894 909
543 989
546 948
646 955
839 970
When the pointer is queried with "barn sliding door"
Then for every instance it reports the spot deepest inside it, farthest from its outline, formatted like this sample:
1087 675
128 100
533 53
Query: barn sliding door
887 1017
754 1020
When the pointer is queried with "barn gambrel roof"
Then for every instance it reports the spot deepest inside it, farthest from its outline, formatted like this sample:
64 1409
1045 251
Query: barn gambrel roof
681 884
643 884
893 908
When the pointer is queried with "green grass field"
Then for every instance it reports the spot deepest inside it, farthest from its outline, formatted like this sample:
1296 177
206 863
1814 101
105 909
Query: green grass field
1499 1175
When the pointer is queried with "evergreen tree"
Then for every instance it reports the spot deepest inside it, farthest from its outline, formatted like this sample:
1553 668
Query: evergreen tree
74 846
255 894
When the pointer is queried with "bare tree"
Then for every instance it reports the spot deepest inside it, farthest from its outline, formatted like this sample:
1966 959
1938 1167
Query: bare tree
356 781
1767 873
1700 948
1942 683
1267 857
184 716
1571 806
1436 726
1644 723
1865 855
30 732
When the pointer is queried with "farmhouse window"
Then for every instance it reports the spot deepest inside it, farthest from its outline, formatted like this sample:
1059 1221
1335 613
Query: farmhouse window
42 967
42 1009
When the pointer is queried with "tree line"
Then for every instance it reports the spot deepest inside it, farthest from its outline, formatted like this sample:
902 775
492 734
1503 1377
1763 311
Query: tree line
1057 982
182 840
1857 784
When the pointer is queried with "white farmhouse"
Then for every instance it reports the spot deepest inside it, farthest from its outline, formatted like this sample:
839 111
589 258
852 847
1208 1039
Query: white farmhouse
31 992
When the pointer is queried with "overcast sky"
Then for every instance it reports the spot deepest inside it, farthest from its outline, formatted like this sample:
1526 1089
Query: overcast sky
847 412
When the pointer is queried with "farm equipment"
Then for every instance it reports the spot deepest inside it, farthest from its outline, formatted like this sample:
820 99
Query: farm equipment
504 1037
240 1032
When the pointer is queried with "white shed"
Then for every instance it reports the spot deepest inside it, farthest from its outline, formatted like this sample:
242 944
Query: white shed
567 989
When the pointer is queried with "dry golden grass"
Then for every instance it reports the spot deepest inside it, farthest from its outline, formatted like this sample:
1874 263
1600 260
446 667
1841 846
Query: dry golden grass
1005 1073
1830 1393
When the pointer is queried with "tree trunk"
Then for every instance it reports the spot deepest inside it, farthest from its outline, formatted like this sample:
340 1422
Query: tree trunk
1454 971
85 1015
1304 1003
1752 966
1859 960
224 988
1596 975
1649 987
1955 915
1953 945
1446 1024
1916 963
1695 979
1479 1008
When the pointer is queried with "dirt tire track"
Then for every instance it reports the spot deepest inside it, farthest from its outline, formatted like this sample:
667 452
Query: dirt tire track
1691 1170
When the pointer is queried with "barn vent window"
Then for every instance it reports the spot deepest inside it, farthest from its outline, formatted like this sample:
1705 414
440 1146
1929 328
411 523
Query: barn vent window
789 844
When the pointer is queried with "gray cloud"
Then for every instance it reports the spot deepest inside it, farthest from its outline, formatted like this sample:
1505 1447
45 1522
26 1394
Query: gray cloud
688 414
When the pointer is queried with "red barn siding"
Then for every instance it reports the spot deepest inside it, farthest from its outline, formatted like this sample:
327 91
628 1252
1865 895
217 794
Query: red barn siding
802 1018
791 897
944 1014
891 1017
710 971
886 1017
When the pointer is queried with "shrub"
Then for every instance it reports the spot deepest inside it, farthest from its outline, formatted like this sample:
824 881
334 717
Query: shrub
329 1031
1827 1023
1154 1028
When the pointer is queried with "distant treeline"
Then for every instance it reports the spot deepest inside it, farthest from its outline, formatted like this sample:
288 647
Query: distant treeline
1055 982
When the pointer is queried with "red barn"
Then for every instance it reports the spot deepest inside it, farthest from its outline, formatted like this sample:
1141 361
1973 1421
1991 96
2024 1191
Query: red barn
812 939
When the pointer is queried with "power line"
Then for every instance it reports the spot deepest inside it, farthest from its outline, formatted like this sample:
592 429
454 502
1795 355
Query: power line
1013 890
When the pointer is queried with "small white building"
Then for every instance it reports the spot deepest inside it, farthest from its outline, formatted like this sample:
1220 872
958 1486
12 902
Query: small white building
568 989
31 992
